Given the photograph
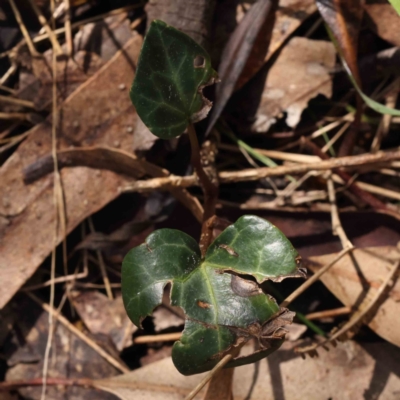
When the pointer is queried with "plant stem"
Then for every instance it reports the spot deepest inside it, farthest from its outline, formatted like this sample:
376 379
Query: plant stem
210 191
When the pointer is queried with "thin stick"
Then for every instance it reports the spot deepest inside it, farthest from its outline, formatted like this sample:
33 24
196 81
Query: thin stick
68 29
356 318
166 337
254 174
60 279
53 39
337 227
96 286
24 31
208 377
317 133
336 137
19 116
102 265
9 72
18 102
329 313
386 120
391 194
7 89
15 139
278 155
354 188
313 279
60 318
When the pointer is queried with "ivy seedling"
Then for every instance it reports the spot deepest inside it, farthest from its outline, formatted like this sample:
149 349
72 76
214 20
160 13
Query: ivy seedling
171 73
219 293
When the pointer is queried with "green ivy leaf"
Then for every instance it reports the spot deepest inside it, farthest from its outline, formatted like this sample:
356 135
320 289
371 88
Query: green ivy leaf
171 73
223 307
396 5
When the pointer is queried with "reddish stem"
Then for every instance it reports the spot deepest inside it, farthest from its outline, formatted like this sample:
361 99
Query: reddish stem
210 193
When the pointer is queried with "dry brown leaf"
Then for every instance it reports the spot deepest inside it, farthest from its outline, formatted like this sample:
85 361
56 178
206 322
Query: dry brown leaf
300 73
344 18
351 281
235 54
69 357
104 37
105 316
385 21
108 158
372 370
288 17
71 73
99 112
164 318
101 39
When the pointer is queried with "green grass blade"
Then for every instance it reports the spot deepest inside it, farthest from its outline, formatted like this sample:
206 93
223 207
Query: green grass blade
396 5
378 107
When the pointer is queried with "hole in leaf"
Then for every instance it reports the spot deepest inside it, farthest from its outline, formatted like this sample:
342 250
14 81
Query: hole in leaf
199 62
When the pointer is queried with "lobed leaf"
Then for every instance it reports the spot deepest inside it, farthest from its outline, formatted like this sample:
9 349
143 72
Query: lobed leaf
222 308
171 73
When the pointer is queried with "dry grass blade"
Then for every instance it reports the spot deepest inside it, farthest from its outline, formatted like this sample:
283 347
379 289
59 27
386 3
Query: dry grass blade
102 265
235 54
367 187
8 74
313 279
350 328
17 116
18 102
56 46
329 313
68 29
166 337
60 218
24 31
60 31
384 125
209 376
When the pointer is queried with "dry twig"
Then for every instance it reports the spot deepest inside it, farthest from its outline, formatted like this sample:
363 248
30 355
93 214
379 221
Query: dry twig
329 313
254 174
